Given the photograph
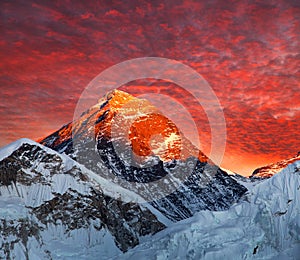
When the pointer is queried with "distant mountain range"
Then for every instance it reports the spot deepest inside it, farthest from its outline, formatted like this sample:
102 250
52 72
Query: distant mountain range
271 169
63 198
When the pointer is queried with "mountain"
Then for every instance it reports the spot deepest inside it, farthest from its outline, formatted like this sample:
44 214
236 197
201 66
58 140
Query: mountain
51 207
124 113
121 125
264 226
90 191
271 169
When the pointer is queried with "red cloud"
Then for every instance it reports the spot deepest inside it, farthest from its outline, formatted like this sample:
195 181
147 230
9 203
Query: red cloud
247 51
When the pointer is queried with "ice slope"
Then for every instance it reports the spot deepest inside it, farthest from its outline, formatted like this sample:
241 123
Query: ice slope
10 148
51 208
264 226
20 228
106 186
35 219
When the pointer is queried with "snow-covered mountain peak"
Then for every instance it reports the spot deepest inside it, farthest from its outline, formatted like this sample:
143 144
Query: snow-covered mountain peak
45 196
271 169
8 149
134 122
128 141
266 225
52 206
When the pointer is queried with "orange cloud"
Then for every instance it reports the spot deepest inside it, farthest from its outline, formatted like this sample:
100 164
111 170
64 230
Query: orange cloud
247 51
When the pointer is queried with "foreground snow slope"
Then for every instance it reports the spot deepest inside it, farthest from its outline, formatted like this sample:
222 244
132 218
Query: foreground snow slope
51 208
265 226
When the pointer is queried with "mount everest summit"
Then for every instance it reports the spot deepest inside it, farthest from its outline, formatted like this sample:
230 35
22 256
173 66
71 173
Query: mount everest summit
58 197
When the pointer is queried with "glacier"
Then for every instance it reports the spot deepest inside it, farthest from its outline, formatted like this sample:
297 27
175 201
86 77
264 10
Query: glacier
51 208
266 225
58 209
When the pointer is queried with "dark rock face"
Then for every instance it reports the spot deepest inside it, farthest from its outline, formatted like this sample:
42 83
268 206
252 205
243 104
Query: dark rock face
76 211
21 229
219 193
207 188
7 176
33 167
128 172
12 168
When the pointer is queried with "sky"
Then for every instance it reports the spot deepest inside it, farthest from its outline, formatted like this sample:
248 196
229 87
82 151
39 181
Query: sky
248 52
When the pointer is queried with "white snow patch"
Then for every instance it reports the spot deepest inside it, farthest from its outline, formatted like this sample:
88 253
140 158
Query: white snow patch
270 222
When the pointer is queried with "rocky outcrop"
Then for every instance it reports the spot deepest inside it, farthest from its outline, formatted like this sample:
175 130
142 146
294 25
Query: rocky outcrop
92 140
54 191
